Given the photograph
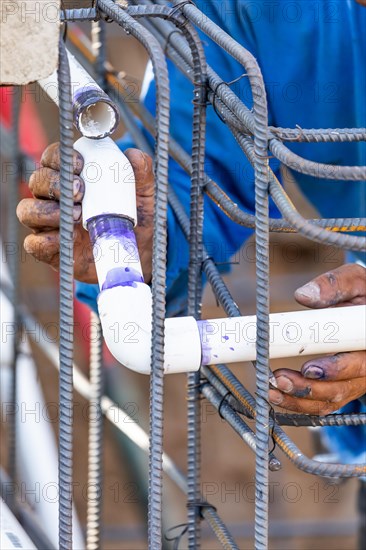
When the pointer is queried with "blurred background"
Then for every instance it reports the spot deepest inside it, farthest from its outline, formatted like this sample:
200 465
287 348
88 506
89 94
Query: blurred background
305 511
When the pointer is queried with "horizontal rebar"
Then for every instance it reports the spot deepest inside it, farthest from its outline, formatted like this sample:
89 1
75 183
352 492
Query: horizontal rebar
281 438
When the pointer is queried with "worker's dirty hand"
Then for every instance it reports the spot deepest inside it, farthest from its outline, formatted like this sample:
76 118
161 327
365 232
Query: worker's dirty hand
42 213
327 383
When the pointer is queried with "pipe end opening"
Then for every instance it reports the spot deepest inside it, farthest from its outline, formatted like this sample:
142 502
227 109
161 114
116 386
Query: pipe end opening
98 120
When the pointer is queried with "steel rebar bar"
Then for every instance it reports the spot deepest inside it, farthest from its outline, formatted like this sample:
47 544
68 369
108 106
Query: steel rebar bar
66 303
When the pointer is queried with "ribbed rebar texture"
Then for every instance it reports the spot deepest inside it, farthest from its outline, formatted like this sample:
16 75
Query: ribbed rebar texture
281 438
81 385
95 443
158 264
12 258
245 125
219 528
195 261
79 14
66 303
217 399
231 209
196 252
315 169
329 420
287 209
169 31
319 135
262 264
218 385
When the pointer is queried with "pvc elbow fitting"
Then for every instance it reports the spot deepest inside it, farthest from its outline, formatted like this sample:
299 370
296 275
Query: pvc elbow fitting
125 314
125 302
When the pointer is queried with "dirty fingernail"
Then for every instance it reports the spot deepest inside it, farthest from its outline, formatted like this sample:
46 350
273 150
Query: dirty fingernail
273 381
79 161
76 186
77 212
284 384
275 397
313 371
310 290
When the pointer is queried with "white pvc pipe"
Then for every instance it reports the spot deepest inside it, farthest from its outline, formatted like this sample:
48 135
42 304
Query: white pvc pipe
125 303
291 334
37 450
12 534
95 115
109 213
109 178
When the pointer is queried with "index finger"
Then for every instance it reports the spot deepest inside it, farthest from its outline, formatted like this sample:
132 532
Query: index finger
344 284
51 158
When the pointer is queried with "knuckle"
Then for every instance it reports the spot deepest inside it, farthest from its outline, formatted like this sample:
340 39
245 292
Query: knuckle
338 397
328 407
340 392
357 269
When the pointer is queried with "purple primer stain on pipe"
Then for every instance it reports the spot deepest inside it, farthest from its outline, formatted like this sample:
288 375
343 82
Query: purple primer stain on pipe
109 226
122 276
205 329
121 229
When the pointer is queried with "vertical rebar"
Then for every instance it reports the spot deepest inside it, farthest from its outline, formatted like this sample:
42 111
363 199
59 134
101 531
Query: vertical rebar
158 264
66 302
13 263
95 443
262 332
194 304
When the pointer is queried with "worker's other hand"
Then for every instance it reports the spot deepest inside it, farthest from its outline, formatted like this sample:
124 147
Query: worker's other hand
42 213
327 383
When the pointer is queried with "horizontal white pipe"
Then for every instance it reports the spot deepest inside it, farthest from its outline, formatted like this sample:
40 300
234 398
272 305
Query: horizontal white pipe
125 301
95 115
291 334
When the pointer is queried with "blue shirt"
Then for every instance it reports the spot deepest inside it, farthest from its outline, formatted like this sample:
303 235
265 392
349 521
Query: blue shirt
313 59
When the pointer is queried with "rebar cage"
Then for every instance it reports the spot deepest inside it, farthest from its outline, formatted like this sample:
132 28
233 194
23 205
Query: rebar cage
171 30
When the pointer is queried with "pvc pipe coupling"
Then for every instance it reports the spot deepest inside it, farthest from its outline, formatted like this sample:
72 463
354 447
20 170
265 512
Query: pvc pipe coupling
125 301
95 114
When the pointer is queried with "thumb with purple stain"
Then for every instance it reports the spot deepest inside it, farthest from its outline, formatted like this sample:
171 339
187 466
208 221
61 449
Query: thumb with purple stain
326 383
